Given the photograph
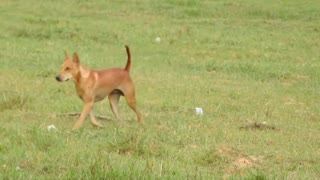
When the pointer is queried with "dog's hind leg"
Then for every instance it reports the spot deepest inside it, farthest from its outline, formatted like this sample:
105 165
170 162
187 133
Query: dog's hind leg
131 100
114 97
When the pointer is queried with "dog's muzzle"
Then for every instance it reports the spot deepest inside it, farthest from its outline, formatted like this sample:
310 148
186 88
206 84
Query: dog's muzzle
58 78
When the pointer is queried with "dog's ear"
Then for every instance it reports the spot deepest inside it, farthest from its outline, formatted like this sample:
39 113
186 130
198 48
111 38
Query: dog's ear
76 58
66 55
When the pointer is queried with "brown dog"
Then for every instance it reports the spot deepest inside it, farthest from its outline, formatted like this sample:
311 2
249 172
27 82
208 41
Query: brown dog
93 86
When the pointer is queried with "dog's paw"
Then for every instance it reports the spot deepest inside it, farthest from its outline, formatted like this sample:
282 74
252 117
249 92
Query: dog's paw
97 125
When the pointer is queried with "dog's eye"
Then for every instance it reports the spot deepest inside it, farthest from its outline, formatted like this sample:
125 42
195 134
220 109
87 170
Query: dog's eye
67 69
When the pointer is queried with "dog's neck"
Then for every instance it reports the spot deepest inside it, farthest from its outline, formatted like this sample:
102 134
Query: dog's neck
82 74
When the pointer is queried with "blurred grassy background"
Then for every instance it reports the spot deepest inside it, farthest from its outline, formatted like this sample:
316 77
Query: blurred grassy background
243 62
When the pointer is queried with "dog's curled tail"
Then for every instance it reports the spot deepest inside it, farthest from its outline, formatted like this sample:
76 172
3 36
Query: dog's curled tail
127 68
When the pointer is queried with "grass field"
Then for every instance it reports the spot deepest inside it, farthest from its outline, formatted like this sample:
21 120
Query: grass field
253 66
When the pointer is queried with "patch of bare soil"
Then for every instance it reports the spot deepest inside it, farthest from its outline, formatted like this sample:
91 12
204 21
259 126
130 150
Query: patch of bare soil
238 161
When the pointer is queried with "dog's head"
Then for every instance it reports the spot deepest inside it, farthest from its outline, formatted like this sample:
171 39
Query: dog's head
70 68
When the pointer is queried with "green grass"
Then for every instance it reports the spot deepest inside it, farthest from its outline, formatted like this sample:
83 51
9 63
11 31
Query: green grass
243 62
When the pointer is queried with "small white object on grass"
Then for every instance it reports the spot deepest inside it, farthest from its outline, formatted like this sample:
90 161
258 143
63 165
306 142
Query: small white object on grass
157 40
199 111
51 127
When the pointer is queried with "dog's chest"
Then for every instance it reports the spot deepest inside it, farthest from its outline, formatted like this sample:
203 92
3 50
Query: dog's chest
84 93
87 94
80 93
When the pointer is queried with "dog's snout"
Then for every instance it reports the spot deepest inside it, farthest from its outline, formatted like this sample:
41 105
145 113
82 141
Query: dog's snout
58 78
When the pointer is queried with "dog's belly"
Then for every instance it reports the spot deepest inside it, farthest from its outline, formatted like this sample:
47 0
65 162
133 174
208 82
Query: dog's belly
99 97
100 94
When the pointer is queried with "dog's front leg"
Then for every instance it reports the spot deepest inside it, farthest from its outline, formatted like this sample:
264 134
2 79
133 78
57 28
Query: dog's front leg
93 120
86 109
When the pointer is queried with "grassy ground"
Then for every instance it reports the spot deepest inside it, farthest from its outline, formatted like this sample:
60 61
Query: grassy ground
253 66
